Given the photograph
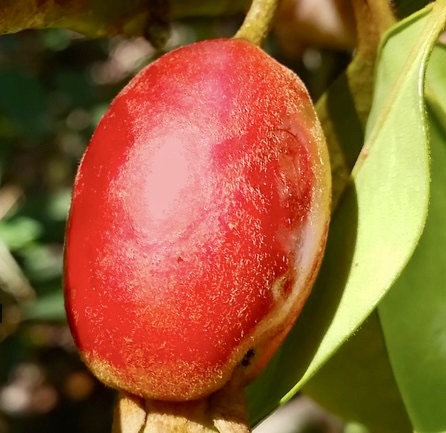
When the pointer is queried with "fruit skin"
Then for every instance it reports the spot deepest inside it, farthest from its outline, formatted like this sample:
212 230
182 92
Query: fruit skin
198 222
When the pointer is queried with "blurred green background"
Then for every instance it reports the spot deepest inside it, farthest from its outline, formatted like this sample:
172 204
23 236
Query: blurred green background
54 87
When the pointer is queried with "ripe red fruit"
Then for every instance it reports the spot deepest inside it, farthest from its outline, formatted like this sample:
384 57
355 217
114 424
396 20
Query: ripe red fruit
198 222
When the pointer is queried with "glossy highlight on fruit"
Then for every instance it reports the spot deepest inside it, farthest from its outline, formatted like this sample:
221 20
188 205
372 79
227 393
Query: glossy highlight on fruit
198 222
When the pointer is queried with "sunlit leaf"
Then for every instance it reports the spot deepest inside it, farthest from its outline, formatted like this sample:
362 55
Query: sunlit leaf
413 313
378 222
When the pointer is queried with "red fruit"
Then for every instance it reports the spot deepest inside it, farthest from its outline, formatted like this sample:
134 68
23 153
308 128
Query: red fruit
198 222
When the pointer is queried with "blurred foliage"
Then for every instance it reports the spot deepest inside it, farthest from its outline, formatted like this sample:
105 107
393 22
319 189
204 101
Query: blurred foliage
51 100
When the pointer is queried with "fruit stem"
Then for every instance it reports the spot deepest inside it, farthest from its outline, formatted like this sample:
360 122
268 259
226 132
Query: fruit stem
373 18
222 412
129 414
173 417
228 408
257 21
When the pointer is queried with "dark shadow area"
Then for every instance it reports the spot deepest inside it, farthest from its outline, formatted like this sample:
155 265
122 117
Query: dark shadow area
343 114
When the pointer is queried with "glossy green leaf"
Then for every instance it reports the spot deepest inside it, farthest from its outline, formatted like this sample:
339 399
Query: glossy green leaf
378 222
357 383
413 314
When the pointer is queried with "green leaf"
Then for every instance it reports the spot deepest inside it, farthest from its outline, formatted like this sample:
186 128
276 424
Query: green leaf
413 314
378 222
357 383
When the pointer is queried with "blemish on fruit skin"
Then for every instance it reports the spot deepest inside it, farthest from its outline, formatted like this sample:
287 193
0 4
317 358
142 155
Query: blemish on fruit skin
247 359
364 153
